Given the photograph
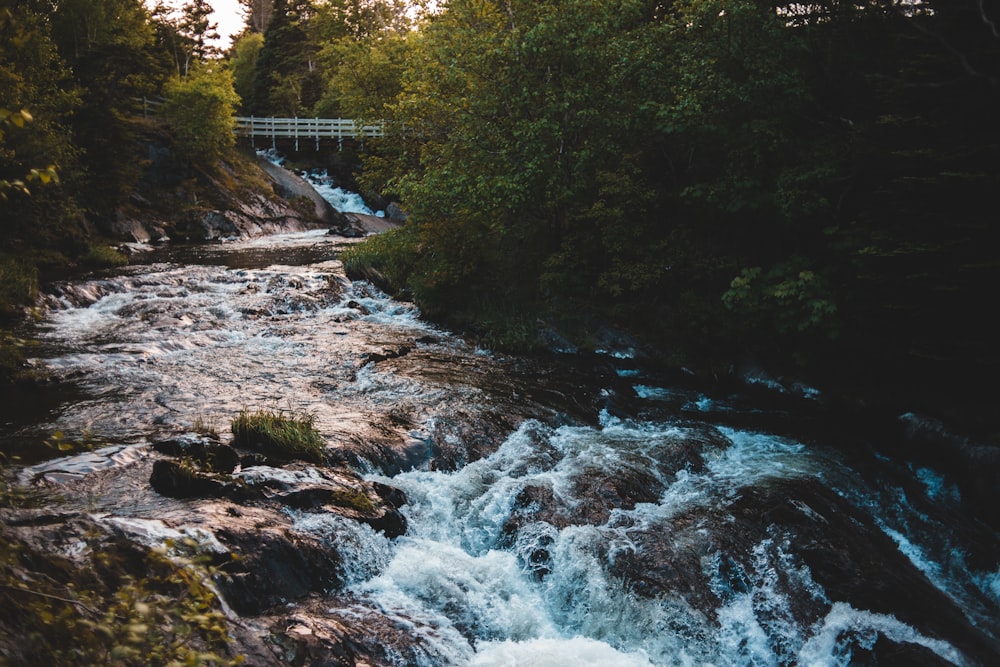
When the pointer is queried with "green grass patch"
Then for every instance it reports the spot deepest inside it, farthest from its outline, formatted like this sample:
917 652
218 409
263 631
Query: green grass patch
279 433
99 256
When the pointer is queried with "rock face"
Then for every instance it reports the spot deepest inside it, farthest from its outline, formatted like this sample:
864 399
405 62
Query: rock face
251 199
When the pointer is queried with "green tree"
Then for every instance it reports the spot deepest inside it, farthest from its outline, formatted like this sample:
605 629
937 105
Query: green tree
516 128
44 176
243 63
111 49
258 14
37 98
200 110
197 29
287 81
569 150
364 77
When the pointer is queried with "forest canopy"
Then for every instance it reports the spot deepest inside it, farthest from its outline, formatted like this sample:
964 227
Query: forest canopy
801 183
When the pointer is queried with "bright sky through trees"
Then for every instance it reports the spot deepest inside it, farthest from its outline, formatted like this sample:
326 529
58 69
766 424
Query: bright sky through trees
228 14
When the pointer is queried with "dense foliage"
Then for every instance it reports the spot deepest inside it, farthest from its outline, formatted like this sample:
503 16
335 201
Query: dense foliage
201 110
796 183
74 77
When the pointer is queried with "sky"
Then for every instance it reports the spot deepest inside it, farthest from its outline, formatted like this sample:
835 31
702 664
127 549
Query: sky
228 14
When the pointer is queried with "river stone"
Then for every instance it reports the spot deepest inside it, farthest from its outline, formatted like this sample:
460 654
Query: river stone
208 452
327 490
345 630
274 565
179 480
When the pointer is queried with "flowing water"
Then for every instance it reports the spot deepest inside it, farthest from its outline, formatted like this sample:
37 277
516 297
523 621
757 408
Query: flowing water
617 521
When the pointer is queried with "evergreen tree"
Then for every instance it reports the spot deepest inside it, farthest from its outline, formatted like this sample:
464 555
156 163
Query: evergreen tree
287 81
198 30
110 47
37 102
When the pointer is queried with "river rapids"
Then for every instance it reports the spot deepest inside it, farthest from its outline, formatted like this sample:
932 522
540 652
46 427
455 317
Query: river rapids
562 510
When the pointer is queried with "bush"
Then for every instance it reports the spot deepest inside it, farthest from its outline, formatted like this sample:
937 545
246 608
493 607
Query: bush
386 260
280 434
201 109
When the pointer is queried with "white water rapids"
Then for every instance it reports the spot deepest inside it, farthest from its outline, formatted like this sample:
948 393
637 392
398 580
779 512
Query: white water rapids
500 565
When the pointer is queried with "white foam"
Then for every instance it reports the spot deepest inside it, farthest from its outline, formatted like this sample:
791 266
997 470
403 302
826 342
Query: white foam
486 594
555 652
845 627
364 552
343 200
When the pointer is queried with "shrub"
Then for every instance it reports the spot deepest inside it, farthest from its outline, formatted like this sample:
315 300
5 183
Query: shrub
201 110
285 435
386 260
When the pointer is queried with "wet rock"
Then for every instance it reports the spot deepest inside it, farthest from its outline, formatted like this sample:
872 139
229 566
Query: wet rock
180 480
395 212
346 631
292 186
461 437
639 476
855 561
975 466
347 231
274 565
46 569
390 494
255 459
208 452
218 225
385 355
354 305
338 492
799 549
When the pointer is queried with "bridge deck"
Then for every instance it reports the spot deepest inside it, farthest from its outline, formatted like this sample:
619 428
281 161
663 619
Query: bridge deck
305 128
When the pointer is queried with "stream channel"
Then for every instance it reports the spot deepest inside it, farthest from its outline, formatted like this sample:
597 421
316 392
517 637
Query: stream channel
566 509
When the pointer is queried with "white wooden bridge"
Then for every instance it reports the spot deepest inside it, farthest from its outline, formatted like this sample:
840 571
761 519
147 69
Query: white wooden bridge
305 129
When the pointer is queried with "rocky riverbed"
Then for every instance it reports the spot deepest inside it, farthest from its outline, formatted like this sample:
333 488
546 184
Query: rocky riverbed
471 507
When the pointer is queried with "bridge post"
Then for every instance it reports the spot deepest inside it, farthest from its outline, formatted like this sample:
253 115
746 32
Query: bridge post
316 131
253 144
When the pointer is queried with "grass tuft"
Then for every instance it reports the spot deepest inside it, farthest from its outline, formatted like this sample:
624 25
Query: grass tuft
279 433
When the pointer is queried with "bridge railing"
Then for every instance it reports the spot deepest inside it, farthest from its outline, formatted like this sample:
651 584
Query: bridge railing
305 128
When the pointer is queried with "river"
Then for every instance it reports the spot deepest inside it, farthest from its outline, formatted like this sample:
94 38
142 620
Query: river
561 510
